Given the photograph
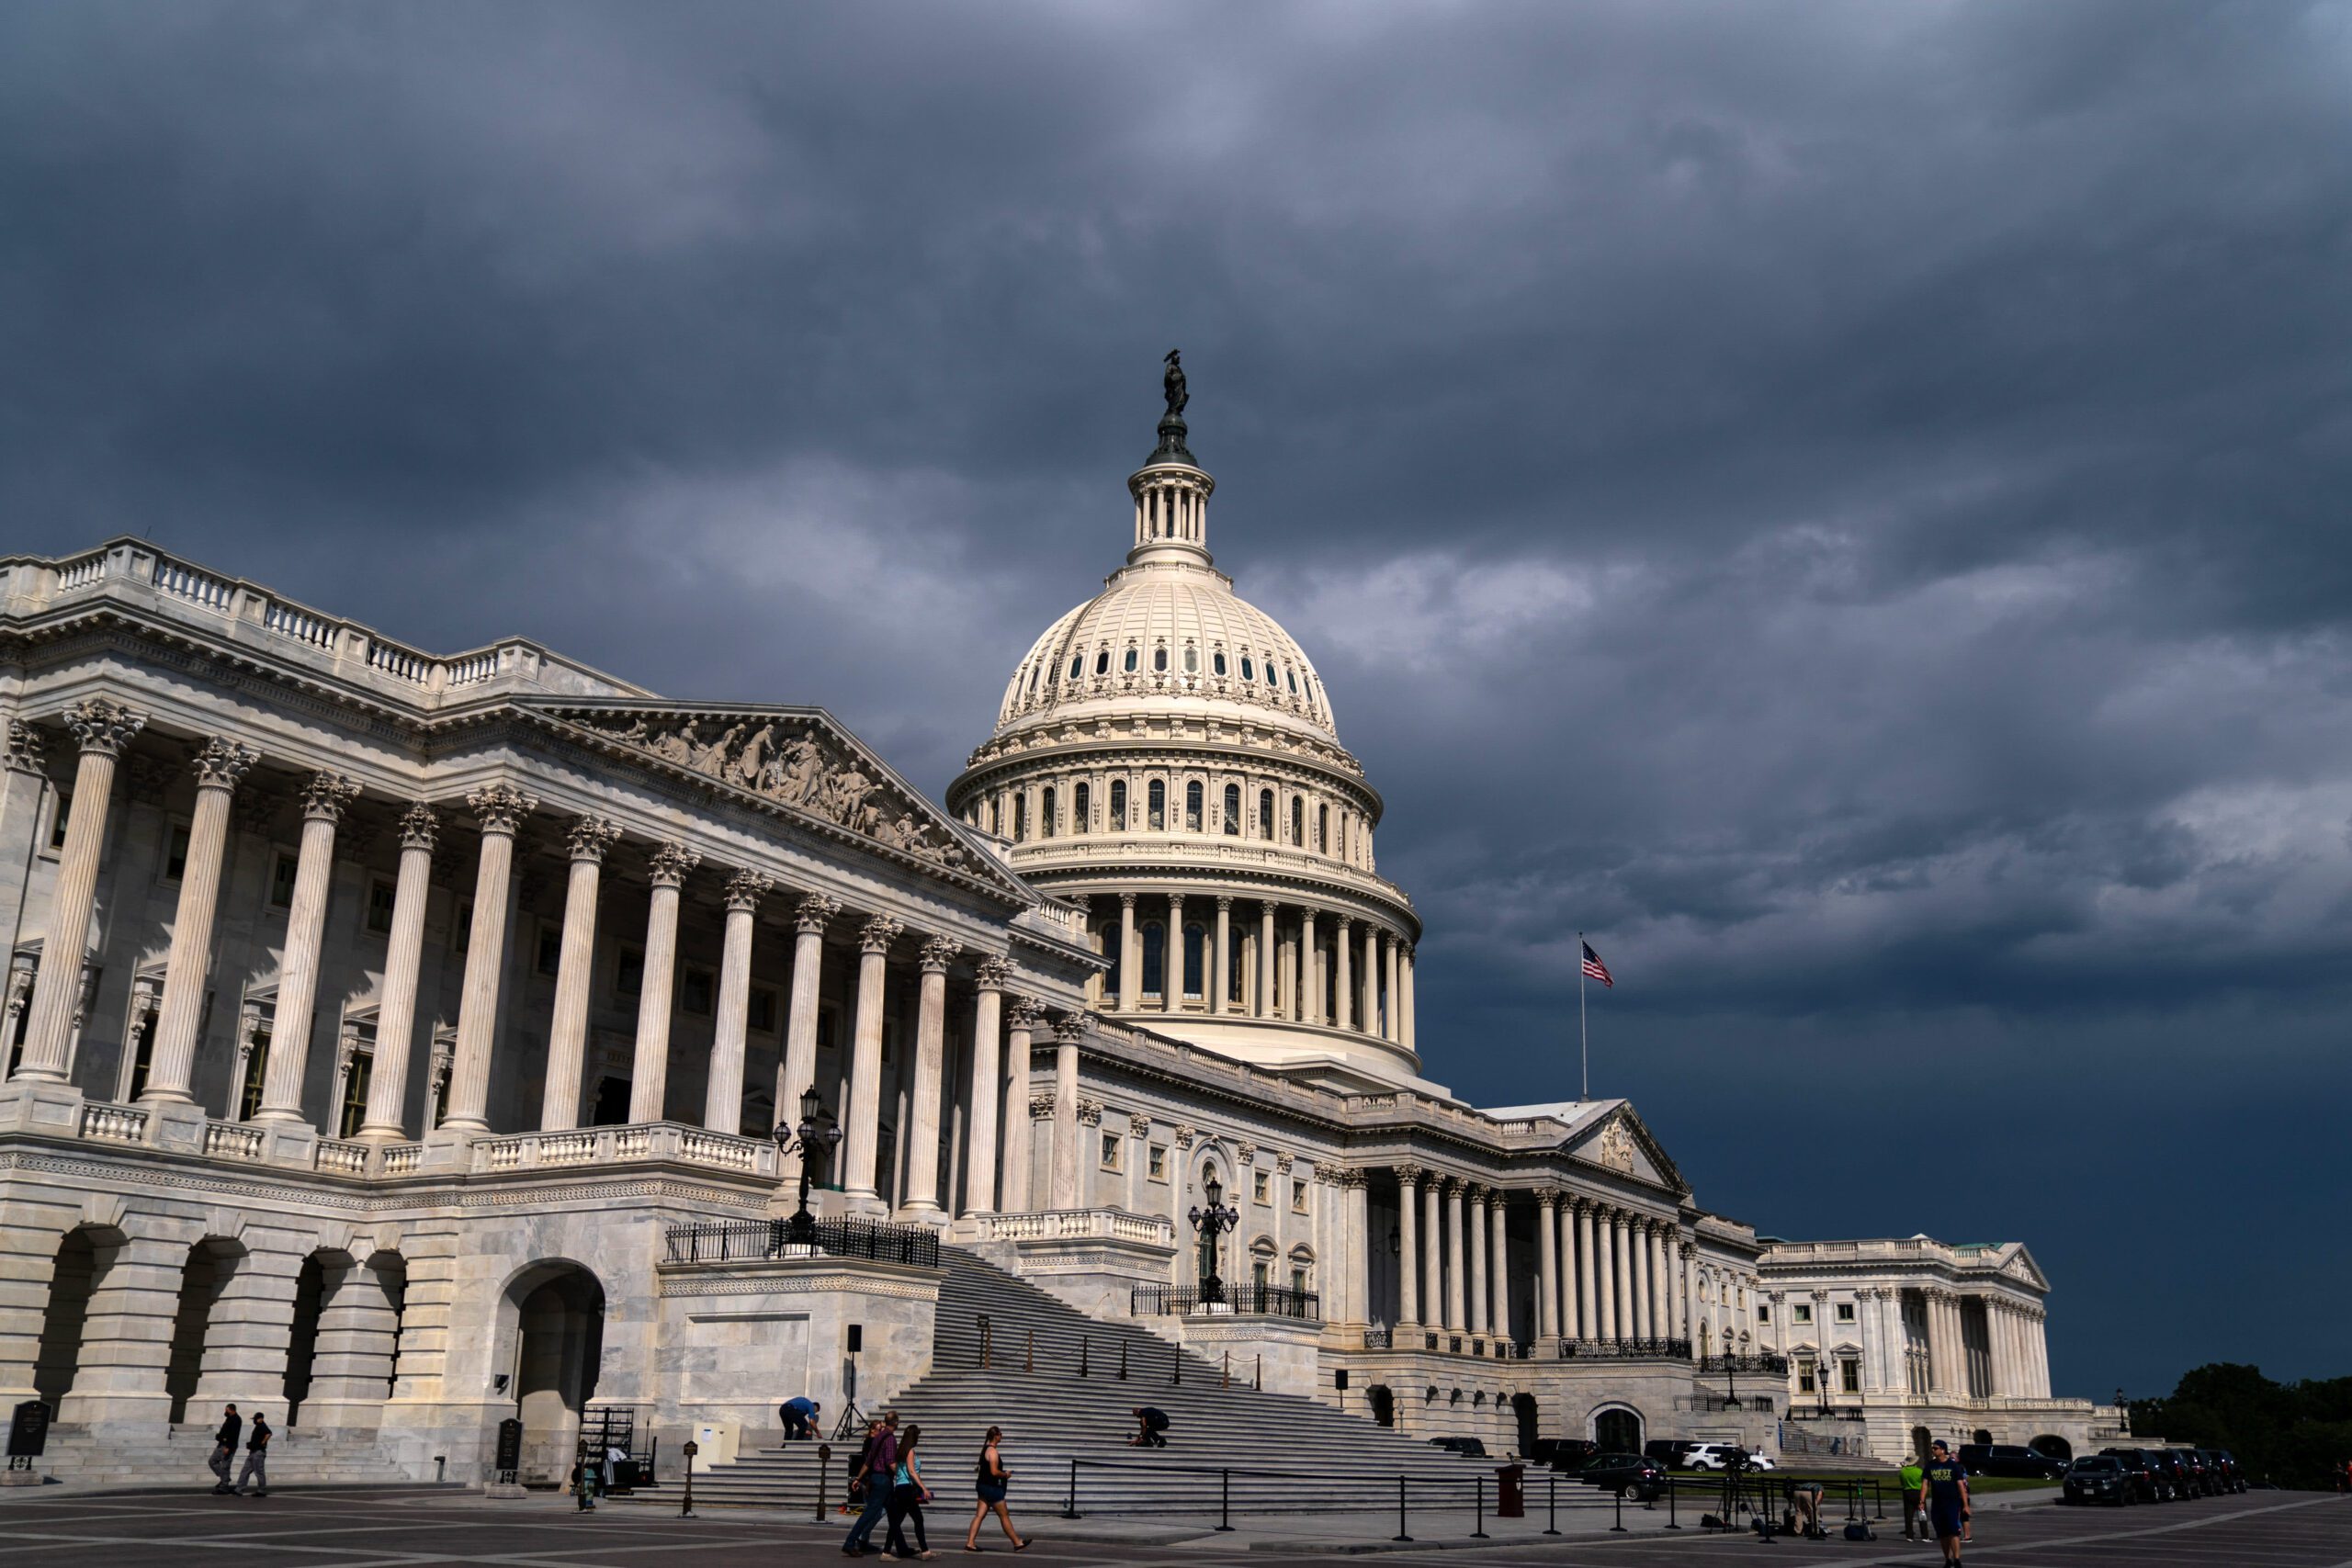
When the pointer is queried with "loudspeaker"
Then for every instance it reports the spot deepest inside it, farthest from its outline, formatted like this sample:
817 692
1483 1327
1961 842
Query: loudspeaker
856 1337
1339 1378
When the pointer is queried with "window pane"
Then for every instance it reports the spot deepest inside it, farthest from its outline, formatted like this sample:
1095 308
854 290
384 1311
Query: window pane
1082 812
1233 808
1155 947
1045 814
1193 939
1192 807
1119 803
1158 814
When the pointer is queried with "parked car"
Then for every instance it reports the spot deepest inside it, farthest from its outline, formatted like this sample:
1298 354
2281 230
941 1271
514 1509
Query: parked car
2233 1474
2200 1482
2010 1459
1668 1451
2150 1484
1714 1456
1468 1448
1563 1453
2175 1471
2099 1477
1636 1476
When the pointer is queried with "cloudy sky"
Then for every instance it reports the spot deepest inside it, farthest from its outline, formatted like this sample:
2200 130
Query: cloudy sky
1845 502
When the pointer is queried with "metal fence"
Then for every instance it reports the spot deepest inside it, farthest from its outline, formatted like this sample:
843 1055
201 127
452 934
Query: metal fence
739 1241
1624 1349
1768 1362
1264 1301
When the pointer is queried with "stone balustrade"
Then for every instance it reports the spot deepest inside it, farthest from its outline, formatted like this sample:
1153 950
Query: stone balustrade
670 1141
115 1123
1063 1224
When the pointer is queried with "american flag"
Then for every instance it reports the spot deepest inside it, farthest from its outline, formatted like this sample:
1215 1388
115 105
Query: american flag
1595 967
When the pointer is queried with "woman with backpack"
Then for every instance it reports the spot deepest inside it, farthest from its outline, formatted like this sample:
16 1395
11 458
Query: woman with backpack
990 1483
908 1496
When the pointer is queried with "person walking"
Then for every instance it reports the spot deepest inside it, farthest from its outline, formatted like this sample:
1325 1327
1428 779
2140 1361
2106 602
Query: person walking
876 1463
224 1450
800 1418
908 1494
1914 1519
1944 1495
989 1484
256 1458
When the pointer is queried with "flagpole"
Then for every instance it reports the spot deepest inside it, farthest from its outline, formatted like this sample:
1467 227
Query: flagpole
1584 1039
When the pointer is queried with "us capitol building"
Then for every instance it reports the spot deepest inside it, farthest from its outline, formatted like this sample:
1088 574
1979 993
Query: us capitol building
387 1032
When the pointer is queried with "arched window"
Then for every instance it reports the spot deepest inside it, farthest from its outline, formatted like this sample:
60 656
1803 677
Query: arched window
1110 949
1082 808
1266 814
1193 807
996 817
1216 662
1045 813
1077 664
1297 820
1292 676
1102 662
1233 808
1118 805
1020 817
1159 660
1195 944
1155 949
1322 824
1247 672
1269 674
1155 818
1131 662
1034 675
1191 660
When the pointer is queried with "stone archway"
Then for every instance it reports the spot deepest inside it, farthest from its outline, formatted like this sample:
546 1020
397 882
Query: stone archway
554 1312
204 1275
1383 1401
80 1257
1920 1443
1617 1429
2052 1446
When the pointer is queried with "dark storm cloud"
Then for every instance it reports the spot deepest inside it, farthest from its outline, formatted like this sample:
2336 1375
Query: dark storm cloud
1845 502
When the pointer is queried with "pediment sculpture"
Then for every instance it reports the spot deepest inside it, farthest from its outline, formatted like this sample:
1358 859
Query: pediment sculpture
792 766
1615 1148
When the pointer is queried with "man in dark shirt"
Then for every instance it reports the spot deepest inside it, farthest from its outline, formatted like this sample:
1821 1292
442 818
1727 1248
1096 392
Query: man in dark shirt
1149 1425
256 1458
874 1466
1944 1495
224 1450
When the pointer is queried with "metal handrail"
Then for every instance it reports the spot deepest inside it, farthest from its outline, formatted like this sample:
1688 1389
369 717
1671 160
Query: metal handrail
1262 1301
738 1241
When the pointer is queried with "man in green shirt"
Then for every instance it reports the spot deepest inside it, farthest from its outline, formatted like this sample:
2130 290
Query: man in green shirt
1913 1519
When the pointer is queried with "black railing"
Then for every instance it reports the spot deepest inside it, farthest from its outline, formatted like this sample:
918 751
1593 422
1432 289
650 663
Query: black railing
737 1241
1624 1349
1767 1362
1262 1301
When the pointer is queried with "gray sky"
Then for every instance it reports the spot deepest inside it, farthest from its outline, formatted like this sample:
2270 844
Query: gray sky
1845 502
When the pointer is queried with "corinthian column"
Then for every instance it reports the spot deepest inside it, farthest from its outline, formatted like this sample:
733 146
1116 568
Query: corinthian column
588 838
1342 1014
1066 1029
1368 1016
404 951
1498 1273
1310 970
1620 1256
102 728
1130 979
1391 1025
1433 1264
1267 1005
1408 1242
1171 966
1476 1206
1221 978
323 800
931 1058
1020 1022
865 1063
1605 1259
1404 1009
500 811
988 1086
1588 1324
1456 1315
650 1078
798 1069
722 1100
218 765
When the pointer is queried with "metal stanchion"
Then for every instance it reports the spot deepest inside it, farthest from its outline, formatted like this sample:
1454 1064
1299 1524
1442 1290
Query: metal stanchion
1673 1518
1225 1376
1085 1348
1479 1530
1224 1500
1069 1508
1400 1534
1029 1357
1552 1506
1123 1360
686 1506
824 1468
1619 1527
984 1341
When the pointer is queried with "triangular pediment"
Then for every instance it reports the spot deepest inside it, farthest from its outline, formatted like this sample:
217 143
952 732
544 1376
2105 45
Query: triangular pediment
1618 1141
2020 1266
797 763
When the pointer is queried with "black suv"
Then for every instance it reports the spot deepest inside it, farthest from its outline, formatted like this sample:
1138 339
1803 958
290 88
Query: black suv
2100 1478
2011 1460
2199 1481
1563 1453
2151 1483
2226 1462
1668 1451
1636 1476
2175 1471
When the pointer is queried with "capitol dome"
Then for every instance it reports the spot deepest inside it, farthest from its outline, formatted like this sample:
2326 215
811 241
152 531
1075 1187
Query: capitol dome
1165 758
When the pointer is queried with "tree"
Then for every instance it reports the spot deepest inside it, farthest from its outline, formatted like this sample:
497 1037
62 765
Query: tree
2298 1434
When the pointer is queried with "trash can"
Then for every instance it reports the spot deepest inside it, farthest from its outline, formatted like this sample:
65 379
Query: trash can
1511 1492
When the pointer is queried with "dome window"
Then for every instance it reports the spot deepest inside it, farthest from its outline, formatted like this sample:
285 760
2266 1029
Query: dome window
1045 813
1131 662
1077 665
1191 660
1297 820
1322 824
1270 679
1193 807
1233 808
1247 672
1157 817
1103 662
1266 814
1020 817
1118 805
1155 955
1216 661
1159 660
1082 808
1292 676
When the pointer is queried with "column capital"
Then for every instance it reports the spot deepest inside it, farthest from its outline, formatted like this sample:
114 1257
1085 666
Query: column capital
1547 1198
1138 1124
1183 1136
1408 1173
1025 1013
26 743
500 808
1284 1161
589 836
420 828
1342 923
1090 1113
326 795
1070 1027
218 763
745 889
102 725
1245 1155
1225 903
1175 901
815 912
1451 1185
1404 949
878 932
938 952
992 974
670 863
1127 901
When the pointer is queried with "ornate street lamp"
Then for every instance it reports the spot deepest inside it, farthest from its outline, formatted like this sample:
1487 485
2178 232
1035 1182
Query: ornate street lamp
815 1138
1212 1222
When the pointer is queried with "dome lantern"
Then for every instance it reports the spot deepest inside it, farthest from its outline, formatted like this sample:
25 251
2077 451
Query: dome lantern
1172 489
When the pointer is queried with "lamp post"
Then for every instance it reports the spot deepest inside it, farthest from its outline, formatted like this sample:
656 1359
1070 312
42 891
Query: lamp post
818 1135
1212 1223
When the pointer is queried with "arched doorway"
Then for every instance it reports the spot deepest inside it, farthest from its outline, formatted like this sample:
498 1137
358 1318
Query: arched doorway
1980 1435
1920 1444
1617 1431
1383 1403
558 1317
302 1347
59 1359
2050 1446
210 1264
1523 1406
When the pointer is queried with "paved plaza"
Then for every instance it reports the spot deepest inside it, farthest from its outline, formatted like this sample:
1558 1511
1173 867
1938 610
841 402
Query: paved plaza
410 1529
